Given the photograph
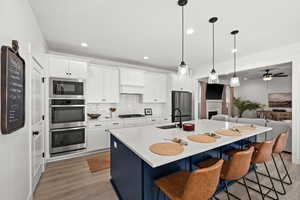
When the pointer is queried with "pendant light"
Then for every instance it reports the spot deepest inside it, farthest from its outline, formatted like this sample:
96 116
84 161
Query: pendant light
234 81
213 77
183 69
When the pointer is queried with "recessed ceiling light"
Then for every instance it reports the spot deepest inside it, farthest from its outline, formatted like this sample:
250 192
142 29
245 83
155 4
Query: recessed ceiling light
146 57
84 44
190 31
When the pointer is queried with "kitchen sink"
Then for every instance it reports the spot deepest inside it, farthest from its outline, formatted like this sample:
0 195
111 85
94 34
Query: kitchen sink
168 126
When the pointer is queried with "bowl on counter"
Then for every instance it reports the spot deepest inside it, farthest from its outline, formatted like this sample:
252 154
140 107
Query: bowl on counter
94 116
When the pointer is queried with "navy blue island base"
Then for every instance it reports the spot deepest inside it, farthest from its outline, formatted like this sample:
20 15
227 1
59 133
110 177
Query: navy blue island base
133 179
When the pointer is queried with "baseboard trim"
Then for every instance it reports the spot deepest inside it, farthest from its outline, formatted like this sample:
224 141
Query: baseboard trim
75 155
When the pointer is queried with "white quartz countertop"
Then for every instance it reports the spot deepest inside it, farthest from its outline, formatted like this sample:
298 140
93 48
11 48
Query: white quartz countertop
138 139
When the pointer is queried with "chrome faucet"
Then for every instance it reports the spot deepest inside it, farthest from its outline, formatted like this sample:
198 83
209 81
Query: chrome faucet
180 116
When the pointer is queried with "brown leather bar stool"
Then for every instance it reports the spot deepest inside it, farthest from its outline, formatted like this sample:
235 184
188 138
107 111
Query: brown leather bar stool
262 154
235 168
196 185
278 148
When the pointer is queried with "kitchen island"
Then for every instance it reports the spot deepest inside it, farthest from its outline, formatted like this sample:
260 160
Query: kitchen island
134 167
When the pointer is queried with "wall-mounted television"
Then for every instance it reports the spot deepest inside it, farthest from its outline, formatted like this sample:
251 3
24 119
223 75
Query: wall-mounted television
283 100
214 91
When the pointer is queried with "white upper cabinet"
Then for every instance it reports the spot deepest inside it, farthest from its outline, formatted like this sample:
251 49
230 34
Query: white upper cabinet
111 85
181 84
64 67
102 84
131 77
58 67
155 88
77 69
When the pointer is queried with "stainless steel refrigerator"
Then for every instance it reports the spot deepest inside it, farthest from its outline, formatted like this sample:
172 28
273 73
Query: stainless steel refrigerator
183 101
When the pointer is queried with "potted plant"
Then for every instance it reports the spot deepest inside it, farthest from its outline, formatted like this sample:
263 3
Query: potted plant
243 105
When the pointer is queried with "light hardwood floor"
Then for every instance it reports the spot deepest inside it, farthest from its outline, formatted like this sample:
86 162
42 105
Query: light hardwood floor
72 180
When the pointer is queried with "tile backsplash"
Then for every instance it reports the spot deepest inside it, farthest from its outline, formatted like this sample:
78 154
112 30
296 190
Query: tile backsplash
129 104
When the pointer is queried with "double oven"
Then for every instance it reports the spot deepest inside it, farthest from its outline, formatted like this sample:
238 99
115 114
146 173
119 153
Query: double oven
67 120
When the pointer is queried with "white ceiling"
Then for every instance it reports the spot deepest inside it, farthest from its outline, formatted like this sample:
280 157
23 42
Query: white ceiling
127 31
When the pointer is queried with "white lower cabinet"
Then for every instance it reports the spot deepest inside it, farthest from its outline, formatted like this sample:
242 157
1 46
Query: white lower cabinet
97 137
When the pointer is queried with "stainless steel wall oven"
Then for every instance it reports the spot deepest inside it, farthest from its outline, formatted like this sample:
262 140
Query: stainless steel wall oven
69 139
66 113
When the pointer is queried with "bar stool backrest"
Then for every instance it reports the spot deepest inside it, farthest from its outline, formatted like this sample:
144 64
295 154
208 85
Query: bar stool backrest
280 143
202 183
264 151
238 166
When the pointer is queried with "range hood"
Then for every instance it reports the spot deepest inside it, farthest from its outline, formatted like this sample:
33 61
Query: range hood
132 81
127 89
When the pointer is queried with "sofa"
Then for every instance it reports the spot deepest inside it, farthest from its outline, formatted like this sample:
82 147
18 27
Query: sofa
277 127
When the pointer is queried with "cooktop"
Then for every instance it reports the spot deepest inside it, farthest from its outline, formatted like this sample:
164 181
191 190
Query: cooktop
131 115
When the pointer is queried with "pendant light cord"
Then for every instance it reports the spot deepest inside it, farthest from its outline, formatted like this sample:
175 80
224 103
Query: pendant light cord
234 55
213 48
182 33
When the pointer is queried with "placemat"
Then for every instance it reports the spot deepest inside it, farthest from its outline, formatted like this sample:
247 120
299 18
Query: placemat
166 149
201 138
245 128
228 132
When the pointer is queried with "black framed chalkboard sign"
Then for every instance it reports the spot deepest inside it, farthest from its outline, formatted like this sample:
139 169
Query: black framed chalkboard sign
12 89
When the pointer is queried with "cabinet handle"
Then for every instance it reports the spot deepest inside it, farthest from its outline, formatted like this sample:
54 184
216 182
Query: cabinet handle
153 120
103 99
98 125
115 123
35 133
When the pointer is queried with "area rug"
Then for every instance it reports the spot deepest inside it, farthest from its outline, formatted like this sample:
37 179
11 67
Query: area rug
98 162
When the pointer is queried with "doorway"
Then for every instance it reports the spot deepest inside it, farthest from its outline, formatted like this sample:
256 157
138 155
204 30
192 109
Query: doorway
37 122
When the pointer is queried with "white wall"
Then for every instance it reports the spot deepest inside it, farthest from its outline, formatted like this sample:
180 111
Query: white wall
257 90
286 54
18 22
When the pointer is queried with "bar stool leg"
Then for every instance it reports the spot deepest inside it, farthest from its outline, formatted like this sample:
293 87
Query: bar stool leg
227 191
261 192
247 188
157 193
280 179
287 172
271 180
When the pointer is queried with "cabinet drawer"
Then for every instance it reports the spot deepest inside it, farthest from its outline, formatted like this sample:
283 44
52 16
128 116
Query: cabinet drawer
114 124
92 125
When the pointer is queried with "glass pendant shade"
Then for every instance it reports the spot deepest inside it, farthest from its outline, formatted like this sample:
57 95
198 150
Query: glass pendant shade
183 70
234 81
213 77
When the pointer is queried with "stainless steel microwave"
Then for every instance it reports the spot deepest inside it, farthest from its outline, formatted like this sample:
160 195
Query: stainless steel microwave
67 88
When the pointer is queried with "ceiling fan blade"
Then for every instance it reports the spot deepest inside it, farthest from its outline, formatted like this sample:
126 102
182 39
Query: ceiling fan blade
282 75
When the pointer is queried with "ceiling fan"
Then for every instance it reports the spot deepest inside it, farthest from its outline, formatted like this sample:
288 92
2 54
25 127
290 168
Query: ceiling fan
267 76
